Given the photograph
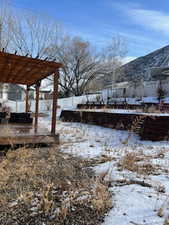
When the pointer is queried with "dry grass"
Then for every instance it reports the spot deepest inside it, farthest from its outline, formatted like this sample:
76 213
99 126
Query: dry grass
98 160
44 186
137 163
151 109
166 222
129 162
137 124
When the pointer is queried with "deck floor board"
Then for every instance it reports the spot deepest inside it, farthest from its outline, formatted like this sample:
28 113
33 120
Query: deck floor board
13 134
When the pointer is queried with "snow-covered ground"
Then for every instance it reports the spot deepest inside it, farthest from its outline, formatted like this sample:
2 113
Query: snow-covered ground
127 162
137 170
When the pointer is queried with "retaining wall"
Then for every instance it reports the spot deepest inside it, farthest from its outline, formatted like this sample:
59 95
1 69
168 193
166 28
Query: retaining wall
148 127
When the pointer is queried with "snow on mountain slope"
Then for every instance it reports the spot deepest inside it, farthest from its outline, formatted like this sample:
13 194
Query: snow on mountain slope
141 66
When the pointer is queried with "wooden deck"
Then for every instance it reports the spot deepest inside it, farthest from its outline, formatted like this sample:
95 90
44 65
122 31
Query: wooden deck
23 134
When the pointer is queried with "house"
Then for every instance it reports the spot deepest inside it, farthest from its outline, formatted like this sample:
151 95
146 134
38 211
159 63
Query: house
14 92
11 92
142 76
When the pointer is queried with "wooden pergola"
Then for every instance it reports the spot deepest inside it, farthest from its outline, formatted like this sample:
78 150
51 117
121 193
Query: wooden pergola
28 71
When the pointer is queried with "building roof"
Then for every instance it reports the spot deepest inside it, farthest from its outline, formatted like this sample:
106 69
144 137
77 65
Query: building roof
24 70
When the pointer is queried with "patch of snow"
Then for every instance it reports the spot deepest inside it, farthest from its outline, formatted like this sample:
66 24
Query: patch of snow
134 205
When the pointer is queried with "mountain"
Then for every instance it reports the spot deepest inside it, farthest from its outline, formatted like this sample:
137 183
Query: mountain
140 68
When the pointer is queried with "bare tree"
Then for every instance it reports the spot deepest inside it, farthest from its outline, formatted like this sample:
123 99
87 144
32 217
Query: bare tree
6 22
32 34
161 92
26 33
112 58
81 65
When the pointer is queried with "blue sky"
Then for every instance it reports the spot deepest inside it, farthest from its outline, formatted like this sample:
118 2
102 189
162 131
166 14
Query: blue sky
143 23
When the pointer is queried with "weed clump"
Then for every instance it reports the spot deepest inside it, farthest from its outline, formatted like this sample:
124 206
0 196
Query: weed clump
137 163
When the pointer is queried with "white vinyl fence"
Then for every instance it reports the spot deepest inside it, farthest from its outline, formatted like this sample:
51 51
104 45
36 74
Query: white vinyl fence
46 105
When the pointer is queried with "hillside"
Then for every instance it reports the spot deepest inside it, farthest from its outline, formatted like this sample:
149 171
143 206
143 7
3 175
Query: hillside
141 66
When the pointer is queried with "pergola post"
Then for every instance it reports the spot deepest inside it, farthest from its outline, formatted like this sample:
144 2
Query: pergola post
55 96
37 105
27 99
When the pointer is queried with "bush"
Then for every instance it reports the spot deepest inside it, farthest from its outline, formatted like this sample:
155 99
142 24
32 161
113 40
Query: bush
161 93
